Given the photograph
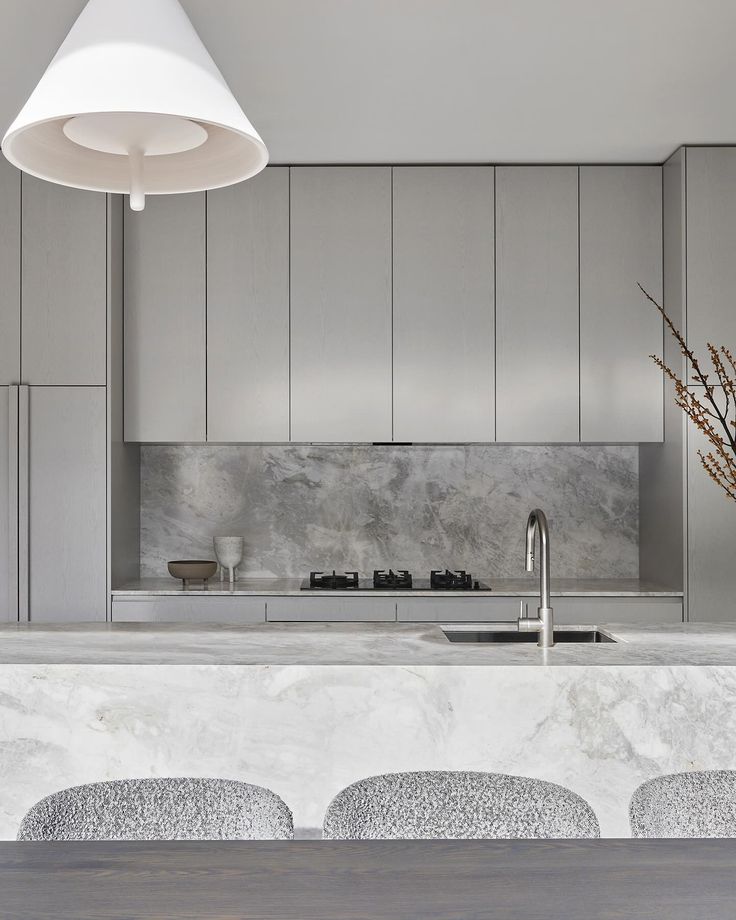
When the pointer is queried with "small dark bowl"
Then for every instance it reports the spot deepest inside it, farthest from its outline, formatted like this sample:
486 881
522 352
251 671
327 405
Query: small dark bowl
192 570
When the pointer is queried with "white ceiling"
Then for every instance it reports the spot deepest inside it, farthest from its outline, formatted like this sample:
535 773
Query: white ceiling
360 81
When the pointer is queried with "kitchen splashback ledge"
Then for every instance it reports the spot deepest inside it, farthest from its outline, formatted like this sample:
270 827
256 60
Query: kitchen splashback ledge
502 587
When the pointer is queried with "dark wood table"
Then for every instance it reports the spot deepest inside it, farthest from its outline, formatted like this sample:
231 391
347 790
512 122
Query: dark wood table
400 880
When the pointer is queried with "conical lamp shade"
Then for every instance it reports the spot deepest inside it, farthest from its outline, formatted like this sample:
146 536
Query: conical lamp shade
133 102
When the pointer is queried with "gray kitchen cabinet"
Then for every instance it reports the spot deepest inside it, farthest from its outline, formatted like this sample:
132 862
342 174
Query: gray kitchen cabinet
63 504
568 610
331 609
8 503
708 248
537 318
601 610
341 303
10 179
662 467
711 241
165 329
201 609
621 389
711 526
457 610
443 303
64 285
248 309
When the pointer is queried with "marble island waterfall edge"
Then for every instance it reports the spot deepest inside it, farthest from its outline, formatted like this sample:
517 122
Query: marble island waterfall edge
306 731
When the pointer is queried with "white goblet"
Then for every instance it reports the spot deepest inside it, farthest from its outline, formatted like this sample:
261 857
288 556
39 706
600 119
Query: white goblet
229 552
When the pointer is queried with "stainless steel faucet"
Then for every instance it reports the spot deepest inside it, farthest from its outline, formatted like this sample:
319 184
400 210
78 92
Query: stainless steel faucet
543 623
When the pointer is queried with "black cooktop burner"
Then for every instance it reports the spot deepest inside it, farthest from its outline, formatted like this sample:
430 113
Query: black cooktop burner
394 580
385 581
334 582
451 581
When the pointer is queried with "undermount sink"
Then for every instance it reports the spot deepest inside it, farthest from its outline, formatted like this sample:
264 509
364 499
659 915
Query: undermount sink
501 633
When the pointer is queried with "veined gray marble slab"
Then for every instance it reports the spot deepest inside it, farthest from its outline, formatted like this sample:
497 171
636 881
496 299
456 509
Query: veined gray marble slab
309 731
421 507
500 587
351 644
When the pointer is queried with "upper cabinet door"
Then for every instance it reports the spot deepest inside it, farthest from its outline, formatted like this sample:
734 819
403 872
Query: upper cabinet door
711 248
537 309
443 304
165 351
341 303
9 273
248 309
64 280
621 392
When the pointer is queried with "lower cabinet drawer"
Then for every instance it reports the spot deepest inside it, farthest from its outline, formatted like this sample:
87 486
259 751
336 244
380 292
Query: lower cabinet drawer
334 609
568 610
234 610
457 609
230 610
596 610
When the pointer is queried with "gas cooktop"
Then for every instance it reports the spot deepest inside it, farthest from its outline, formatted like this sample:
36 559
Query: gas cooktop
394 580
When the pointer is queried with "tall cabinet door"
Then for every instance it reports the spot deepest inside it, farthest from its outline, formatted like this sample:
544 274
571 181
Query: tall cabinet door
537 319
711 244
621 389
443 303
9 273
248 309
711 532
64 285
8 503
63 503
165 334
341 303
711 317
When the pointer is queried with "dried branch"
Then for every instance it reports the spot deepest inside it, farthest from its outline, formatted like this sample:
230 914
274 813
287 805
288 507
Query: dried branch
710 417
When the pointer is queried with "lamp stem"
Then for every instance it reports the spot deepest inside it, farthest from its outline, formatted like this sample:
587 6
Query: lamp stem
137 190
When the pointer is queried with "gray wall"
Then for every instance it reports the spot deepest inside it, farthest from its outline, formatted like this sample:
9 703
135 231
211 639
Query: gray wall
421 507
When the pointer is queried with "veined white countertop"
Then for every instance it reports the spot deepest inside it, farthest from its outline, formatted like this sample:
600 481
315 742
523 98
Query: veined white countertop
307 709
500 587
351 644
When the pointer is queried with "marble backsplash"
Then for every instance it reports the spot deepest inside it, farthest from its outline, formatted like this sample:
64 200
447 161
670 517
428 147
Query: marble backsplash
303 507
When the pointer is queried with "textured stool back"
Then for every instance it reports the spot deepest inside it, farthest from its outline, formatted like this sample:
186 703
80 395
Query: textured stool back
697 804
160 809
454 805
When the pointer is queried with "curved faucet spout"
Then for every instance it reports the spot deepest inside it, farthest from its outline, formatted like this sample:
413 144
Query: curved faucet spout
537 522
543 623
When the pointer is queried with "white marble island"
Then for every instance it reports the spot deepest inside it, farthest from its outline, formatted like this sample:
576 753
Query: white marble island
308 708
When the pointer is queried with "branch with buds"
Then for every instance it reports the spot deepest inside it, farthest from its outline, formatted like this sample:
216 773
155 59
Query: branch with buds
710 411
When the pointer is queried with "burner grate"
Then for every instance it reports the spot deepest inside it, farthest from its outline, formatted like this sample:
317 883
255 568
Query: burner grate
394 580
326 581
451 581
387 580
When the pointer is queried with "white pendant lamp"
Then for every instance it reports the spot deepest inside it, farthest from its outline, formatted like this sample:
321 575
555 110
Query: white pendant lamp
133 103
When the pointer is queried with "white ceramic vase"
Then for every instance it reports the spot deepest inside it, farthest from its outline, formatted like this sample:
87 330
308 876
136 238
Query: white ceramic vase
229 552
